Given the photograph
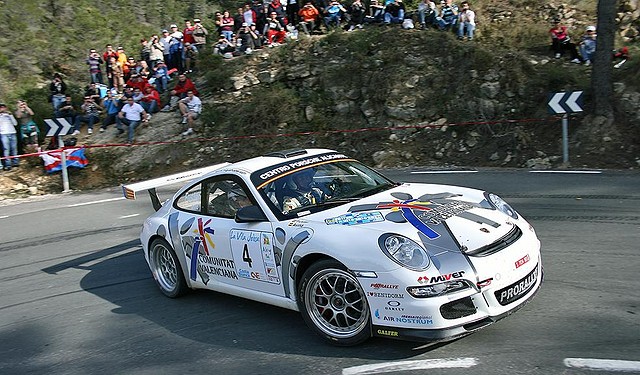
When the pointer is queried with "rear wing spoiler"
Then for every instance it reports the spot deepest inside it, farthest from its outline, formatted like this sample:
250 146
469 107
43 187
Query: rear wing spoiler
150 186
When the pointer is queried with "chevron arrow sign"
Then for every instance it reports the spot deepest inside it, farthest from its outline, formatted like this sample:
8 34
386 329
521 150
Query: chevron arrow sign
565 102
57 126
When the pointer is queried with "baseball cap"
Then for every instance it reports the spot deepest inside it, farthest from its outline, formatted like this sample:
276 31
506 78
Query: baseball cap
591 28
165 30
2 105
196 20
173 25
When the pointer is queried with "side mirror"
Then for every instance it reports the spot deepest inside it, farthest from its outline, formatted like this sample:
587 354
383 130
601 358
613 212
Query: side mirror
250 214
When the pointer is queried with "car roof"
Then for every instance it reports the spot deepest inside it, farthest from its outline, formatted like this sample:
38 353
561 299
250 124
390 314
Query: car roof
254 164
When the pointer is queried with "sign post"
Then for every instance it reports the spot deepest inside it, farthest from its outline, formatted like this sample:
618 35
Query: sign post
565 103
57 128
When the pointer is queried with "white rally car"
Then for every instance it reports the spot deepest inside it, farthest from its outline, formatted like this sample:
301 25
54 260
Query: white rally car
357 254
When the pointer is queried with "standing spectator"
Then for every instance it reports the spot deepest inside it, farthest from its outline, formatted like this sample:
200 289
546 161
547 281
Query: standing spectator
588 45
179 91
130 66
94 61
8 137
218 22
561 42
131 114
29 131
199 35
448 16
394 12
111 106
226 25
190 57
426 13
161 74
66 110
90 115
238 20
145 51
165 41
309 17
249 16
156 51
122 61
58 90
190 108
175 50
150 101
292 12
275 28
357 12
116 74
466 21
108 53
187 32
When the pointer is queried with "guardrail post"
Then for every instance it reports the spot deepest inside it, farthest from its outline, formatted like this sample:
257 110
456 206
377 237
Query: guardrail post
63 161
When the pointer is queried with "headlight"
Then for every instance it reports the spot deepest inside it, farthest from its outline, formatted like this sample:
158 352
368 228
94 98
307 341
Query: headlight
404 251
501 205
438 289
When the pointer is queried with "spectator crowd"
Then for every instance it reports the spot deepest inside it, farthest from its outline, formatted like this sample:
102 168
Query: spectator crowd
125 91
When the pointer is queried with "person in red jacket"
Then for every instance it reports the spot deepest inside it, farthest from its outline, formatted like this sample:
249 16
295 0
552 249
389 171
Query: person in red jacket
137 81
150 101
180 92
187 33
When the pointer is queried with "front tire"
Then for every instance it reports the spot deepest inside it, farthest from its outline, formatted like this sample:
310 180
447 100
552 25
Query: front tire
166 269
333 304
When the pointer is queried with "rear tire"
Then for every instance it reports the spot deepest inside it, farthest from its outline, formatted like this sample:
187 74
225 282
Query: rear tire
333 304
166 269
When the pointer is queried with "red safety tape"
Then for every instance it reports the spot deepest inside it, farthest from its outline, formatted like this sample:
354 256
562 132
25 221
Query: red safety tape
295 134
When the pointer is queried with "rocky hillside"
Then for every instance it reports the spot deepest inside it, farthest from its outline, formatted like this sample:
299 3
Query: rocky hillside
425 98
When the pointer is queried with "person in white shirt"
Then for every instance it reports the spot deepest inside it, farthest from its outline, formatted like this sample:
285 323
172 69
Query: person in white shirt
131 114
466 21
190 107
9 137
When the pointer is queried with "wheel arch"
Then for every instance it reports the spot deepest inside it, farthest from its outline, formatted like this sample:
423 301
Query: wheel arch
181 259
305 262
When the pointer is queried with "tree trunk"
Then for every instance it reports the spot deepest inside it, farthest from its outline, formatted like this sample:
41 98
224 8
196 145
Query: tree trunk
601 84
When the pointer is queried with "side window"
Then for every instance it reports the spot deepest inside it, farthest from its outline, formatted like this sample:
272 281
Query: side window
225 197
191 199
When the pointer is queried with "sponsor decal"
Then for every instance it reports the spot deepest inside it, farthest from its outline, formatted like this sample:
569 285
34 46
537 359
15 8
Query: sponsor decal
276 171
254 255
386 295
484 230
518 289
410 319
297 223
198 242
393 303
440 278
384 286
384 332
521 262
217 266
356 218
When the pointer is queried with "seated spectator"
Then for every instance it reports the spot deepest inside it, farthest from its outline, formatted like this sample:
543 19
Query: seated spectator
333 14
93 91
190 108
150 101
588 45
57 90
466 22
138 81
131 66
394 12
277 7
190 57
90 113
131 114
376 12
426 13
161 75
224 47
29 131
111 106
308 17
250 40
137 94
67 111
561 42
179 91
357 12
142 68
275 28
620 57
448 16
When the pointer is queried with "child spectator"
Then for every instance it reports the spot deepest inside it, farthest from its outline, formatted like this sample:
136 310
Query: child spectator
466 21
588 45
561 42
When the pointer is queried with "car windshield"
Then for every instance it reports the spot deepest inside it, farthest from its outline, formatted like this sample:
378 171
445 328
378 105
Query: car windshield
319 187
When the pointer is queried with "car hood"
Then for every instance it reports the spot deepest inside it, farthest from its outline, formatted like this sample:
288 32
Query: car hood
446 220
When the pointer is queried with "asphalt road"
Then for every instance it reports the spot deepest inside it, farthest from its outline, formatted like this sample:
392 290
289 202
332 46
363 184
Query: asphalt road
76 296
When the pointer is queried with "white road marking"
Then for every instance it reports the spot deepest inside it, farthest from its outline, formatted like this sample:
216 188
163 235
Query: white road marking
568 172
380 368
442 172
96 202
4 217
128 216
603 364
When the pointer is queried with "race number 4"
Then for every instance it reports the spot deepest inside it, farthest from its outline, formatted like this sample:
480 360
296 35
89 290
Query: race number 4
245 255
